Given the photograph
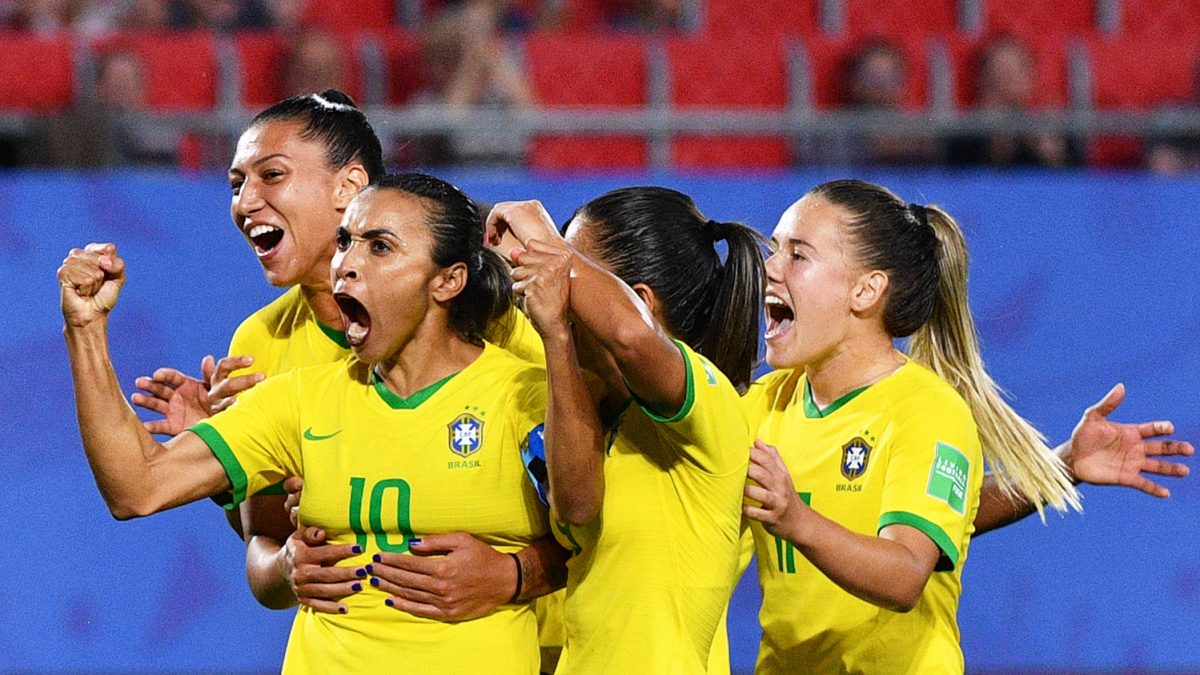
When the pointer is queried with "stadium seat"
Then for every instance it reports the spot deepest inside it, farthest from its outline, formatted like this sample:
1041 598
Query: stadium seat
1138 73
829 61
728 73
587 70
1049 63
1030 18
899 18
262 64
36 73
181 68
1180 18
764 19
347 17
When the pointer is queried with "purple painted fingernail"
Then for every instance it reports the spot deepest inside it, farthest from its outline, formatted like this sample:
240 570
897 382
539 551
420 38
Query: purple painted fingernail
414 542
341 609
375 581
356 587
362 571
370 569
377 558
389 602
356 550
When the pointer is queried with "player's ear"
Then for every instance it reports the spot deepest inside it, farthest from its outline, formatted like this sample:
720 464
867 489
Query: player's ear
351 179
449 282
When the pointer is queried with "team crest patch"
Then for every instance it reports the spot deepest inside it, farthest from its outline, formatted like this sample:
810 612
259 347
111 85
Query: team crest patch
855 455
466 435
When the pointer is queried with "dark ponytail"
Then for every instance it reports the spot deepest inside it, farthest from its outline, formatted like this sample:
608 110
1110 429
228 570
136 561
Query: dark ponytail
658 237
332 119
457 227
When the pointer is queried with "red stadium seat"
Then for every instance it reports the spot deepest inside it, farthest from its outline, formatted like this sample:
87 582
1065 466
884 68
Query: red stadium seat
829 60
1138 73
1049 63
1160 18
36 73
761 19
262 64
728 73
347 17
900 18
180 68
406 67
587 70
1029 18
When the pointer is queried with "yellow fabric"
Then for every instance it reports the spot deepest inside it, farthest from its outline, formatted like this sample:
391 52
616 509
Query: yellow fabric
905 421
654 570
284 335
379 475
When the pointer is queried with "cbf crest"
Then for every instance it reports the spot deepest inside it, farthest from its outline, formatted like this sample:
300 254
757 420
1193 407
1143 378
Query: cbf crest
855 456
466 435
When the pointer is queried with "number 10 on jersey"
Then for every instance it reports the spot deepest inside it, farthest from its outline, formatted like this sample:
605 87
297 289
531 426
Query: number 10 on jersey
382 493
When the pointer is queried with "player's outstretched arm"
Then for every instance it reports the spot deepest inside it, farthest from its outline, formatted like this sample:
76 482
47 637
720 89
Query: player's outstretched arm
136 475
1099 452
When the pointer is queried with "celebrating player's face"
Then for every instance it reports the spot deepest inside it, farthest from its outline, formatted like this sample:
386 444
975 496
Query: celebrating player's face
384 277
283 202
810 275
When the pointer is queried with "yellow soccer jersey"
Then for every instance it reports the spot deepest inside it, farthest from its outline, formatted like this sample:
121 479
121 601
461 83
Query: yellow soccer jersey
379 470
903 451
652 573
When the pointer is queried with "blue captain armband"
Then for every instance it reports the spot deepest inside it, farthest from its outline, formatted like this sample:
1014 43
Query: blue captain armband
533 455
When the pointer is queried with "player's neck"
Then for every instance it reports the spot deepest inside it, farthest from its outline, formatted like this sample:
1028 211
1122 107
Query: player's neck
854 364
320 299
430 356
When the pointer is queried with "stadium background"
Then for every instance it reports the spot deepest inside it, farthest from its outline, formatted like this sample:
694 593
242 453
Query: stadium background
1081 277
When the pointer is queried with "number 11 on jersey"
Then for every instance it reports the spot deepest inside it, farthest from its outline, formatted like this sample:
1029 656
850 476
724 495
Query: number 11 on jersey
785 552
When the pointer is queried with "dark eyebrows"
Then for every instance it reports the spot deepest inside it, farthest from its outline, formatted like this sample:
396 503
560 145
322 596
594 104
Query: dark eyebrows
800 242
233 171
380 233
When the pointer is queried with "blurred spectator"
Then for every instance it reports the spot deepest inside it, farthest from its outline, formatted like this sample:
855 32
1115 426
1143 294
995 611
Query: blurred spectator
219 15
1173 154
876 81
466 65
110 130
1006 82
316 62
642 15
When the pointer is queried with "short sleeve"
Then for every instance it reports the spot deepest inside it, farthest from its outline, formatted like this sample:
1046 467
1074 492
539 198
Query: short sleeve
934 473
710 427
244 343
515 334
256 440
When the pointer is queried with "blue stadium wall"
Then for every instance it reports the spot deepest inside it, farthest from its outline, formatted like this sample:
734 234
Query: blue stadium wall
1078 282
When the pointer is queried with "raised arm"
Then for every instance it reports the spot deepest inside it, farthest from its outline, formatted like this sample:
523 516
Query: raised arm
136 475
620 318
1099 452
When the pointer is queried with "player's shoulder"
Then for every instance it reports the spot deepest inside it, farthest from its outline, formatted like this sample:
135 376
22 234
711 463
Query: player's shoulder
774 389
266 320
917 390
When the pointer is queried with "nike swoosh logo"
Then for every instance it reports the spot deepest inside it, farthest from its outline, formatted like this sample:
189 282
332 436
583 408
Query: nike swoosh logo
309 435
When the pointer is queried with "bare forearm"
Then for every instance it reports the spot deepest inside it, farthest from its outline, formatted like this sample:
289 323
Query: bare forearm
998 509
266 573
116 445
543 568
574 437
611 311
880 571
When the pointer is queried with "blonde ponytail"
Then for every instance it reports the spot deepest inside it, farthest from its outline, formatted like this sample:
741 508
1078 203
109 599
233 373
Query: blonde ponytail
949 345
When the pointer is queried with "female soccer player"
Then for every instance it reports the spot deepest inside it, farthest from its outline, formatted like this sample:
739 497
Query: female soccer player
425 415
654 519
863 516
296 168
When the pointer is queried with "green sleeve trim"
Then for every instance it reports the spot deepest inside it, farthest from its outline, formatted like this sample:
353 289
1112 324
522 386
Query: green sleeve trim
949 559
273 489
334 334
689 399
237 476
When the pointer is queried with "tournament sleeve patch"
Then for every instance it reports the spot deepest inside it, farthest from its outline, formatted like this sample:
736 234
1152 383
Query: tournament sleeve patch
948 477
233 469
533 455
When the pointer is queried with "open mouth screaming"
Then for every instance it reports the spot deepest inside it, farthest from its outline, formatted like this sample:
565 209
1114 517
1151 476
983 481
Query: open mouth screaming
779 317
265 238
355 317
